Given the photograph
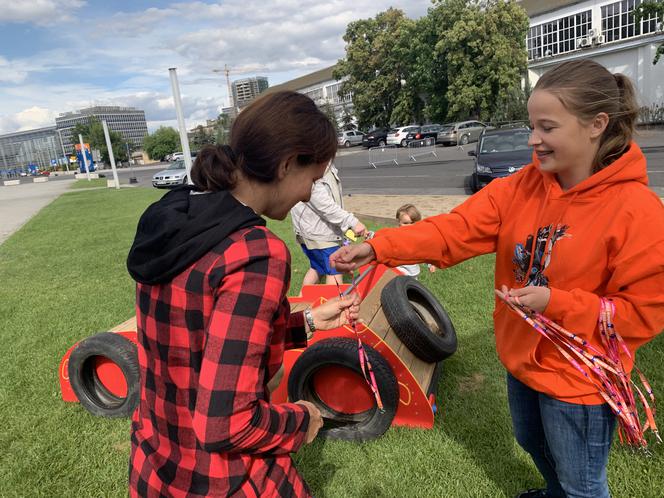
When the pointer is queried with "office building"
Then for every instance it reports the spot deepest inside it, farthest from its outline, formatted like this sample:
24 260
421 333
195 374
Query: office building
604 31
22 148
323 88
127 121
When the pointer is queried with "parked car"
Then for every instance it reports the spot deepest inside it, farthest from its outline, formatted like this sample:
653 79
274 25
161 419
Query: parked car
375 138
175 174
403 135
430 131
348 138
176 156
460 133
499 153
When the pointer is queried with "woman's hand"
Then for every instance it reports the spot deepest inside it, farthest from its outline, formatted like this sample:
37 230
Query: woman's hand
336 312
315 420
349 258
535 298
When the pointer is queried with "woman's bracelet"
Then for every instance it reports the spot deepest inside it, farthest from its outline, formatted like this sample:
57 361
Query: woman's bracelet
309 318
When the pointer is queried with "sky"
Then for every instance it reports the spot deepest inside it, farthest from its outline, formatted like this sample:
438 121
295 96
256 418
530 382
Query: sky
58 56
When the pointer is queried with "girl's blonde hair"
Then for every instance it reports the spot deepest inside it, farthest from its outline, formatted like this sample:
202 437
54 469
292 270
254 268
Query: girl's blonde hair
412 212
587 88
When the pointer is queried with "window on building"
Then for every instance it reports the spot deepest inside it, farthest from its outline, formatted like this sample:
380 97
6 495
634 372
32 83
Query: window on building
333 94
618 21
558 36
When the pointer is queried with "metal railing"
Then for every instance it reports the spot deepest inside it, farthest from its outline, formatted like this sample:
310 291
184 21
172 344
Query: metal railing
419 148
384 154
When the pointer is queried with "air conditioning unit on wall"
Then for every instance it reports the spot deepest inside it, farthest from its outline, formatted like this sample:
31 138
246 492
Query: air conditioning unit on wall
599 39
659 27
592 33
583 43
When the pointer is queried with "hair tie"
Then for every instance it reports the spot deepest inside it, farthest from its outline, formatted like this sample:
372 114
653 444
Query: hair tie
229 152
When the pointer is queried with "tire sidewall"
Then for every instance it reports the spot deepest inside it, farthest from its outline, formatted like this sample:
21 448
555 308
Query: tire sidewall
410 328
319 356
120 351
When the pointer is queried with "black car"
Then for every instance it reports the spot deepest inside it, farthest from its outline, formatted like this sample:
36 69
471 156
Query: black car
375 138
499 153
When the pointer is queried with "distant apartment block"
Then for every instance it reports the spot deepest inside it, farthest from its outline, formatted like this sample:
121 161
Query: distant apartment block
246 90
127 121
22 148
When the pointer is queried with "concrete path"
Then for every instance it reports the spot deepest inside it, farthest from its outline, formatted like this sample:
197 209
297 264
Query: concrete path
19 203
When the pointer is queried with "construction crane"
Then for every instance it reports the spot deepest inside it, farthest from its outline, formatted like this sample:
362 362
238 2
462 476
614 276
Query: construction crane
227 72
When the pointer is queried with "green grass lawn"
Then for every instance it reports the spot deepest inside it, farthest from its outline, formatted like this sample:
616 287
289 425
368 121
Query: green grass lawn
64 278
85 183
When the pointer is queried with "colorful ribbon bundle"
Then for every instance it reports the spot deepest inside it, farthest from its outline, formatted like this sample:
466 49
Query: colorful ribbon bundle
605 370
365 364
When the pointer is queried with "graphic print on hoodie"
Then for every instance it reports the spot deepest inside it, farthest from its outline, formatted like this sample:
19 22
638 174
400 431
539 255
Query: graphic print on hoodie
525 264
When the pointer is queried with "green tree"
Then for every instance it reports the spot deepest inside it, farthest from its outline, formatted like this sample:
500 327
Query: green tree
482 48
162 142
222 129
346 118
378 69
328 110
647 10
93 133
201 137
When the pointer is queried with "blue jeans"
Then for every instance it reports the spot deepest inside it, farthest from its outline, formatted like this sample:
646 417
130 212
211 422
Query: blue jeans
569 443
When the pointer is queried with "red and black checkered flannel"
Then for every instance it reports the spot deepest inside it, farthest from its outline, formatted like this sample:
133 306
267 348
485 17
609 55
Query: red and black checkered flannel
209 341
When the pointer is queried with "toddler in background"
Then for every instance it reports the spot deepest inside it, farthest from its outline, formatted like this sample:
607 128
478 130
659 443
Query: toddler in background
407 215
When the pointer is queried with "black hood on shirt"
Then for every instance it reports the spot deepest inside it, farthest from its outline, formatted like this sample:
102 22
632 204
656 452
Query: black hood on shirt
180 228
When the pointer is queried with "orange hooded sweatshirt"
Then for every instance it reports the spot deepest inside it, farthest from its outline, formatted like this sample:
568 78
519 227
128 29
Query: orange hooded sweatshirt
603 237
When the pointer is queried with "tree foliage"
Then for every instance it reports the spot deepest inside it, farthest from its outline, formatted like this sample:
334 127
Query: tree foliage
222 129
162 142
651 9
464 59
93 133
378 60
201 137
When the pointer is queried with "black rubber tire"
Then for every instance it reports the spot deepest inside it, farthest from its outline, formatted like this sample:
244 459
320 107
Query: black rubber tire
475 183
407 304
346 144
92 394
184 180
465 139
342 351
381 143
404 143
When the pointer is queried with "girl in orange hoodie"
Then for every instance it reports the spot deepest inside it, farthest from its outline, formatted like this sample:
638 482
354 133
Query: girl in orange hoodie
576 225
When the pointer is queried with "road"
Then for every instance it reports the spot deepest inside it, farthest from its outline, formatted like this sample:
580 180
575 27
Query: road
428 175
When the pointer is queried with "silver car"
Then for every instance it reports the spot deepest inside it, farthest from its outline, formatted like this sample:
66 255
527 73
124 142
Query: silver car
348 138
175 174
460 133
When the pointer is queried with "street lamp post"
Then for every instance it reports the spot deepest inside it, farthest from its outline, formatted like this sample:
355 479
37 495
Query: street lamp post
132 178
64 154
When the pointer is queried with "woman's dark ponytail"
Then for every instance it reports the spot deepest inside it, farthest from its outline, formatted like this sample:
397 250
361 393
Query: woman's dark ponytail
214 168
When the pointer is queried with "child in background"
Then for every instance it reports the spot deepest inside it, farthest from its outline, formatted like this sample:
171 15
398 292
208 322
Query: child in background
407 215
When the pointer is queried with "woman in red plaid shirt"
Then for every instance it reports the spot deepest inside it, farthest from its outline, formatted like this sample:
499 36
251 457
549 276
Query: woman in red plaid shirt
213 318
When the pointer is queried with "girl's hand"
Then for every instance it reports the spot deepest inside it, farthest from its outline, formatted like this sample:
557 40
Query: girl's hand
535 298
349 258
336 311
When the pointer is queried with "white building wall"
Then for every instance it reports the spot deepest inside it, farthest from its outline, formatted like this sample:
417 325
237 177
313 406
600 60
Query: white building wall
632 57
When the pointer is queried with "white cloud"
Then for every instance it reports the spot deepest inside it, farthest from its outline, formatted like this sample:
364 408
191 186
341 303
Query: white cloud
11 72
40 12
28 119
